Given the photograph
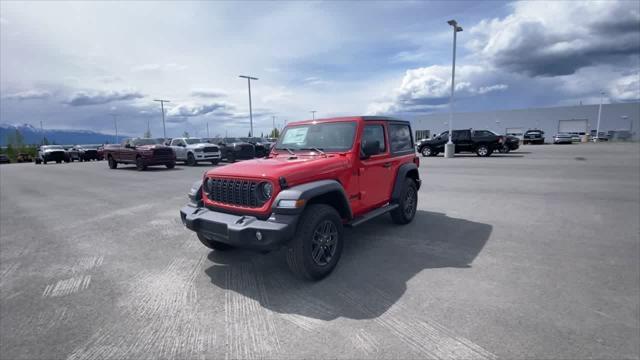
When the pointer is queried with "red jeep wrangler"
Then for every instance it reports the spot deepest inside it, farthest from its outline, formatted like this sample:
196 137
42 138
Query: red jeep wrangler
320 176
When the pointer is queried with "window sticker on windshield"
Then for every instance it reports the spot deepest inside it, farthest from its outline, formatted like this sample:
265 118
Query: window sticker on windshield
295 136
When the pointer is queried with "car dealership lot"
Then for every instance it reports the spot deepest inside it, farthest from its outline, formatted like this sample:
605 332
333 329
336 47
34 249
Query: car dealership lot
532 254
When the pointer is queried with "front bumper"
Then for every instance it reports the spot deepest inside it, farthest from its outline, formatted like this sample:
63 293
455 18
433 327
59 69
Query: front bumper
207 155
240 231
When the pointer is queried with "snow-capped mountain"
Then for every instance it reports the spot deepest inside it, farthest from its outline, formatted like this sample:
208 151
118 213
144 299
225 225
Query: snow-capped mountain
33 135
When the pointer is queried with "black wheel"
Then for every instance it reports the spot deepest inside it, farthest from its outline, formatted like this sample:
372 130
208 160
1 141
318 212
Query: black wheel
317 245
140 166
212 244
170 165
426 151
112 163
408 203
191 160
214 162
483 150
231 157
44 161
38 161
506 149
58 161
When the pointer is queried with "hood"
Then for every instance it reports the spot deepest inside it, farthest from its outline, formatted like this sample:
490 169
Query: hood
52 150
294 170
151 147
200 145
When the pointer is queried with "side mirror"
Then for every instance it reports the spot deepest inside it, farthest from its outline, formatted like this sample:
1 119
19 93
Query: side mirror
370 148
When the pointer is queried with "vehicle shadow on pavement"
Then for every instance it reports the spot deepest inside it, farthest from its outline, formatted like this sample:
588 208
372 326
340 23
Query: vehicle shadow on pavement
150 168
378 260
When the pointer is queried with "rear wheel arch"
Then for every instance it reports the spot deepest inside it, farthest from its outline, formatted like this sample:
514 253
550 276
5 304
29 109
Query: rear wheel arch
408 170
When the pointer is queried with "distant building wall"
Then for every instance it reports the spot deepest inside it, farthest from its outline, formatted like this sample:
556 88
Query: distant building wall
546 119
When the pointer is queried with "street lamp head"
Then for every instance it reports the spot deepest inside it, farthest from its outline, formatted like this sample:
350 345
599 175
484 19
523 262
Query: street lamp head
458 28
452 23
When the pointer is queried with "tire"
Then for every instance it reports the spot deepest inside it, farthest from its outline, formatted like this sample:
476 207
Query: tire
58 161
191 160
408 203
44 161
140 166
170 165
214 162
483 150
38 161
506 149
231 157
320 227
212 244
426 151
112 163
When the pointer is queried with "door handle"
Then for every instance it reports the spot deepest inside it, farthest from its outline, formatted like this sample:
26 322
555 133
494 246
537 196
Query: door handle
387 165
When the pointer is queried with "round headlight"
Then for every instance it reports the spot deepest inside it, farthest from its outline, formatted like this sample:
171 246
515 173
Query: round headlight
267 190
208 185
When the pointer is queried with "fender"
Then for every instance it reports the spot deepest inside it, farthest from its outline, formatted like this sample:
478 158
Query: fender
405 170
310 191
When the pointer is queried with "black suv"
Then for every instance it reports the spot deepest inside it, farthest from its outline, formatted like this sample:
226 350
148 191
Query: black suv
481 142
533 136
232 149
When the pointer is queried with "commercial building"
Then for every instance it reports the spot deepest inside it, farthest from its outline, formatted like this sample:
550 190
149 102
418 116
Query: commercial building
619 120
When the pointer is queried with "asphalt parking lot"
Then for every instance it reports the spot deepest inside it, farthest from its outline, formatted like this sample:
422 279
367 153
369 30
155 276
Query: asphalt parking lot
533 254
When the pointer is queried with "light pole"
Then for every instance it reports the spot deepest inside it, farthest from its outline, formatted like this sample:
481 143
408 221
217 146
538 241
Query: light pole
249 78
115 125
42 131
449 148
164 129
207 129
313 114
599 115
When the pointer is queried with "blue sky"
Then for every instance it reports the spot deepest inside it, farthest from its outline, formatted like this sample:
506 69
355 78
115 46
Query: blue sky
71 64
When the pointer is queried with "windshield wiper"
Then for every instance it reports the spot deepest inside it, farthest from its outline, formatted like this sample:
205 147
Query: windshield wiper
288 150
318 150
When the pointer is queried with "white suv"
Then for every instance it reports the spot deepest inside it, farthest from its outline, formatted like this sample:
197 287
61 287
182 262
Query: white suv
193 150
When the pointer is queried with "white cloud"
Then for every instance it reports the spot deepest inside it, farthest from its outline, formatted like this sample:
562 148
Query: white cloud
190 109
429 88
84 98
28 95
626 88
159 67
208 93
549 38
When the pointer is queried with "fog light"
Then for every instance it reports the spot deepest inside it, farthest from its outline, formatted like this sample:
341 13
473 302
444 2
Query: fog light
258 235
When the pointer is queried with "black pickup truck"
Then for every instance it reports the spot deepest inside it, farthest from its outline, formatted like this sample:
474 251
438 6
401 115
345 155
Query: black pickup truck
481 142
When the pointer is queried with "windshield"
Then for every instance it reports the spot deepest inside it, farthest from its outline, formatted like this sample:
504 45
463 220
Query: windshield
138 142
50 147
336 136
192 141
232 140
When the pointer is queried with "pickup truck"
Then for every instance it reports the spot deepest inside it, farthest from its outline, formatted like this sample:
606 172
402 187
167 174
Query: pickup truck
481 142
193 150
142 152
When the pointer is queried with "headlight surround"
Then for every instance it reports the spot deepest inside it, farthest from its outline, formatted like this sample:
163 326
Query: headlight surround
266 190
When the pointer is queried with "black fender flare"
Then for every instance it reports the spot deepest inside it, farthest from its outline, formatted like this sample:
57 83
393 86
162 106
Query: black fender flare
308 192
405 170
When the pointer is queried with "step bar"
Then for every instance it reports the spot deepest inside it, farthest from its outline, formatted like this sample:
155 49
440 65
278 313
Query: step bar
372 214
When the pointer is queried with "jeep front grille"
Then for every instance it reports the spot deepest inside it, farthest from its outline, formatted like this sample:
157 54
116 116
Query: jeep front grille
233 192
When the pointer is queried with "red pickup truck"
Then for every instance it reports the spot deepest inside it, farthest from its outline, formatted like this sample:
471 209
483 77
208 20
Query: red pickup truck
142 152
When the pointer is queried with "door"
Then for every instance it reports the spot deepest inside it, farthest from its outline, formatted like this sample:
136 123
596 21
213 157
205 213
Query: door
462 139
127 154
179 147
375 172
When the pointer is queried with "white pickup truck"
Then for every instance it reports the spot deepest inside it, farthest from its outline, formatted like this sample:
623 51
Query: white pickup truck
193 150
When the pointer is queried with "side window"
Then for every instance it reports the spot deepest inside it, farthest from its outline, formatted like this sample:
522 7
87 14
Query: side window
174 142
400 136
374 133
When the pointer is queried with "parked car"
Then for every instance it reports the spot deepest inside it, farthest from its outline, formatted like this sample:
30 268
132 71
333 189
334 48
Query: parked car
601 136
4 159
233 149
142 152
23 157
48 153
193 150
71 153
563 138
261 146
88 152
322 175
481 142
533 136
